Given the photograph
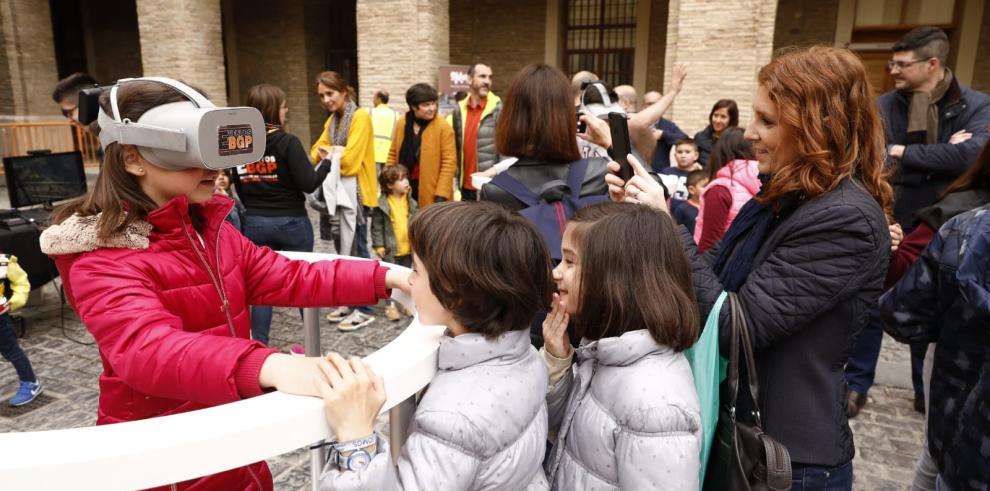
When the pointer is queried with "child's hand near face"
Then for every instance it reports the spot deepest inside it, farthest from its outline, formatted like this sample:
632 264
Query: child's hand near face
353 397
555 338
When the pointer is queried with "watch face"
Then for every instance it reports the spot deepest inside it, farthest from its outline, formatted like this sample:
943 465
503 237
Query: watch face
359 459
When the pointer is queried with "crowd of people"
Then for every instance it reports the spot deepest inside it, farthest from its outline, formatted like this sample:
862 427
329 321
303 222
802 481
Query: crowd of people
570 295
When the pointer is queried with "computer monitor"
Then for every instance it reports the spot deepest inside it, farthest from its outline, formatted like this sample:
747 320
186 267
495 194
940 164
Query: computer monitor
44 179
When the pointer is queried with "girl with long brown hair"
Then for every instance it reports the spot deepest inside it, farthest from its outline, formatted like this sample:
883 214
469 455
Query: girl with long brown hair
807 256
163 284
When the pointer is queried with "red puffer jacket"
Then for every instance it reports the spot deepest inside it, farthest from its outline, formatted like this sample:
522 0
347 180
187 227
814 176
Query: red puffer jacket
158 294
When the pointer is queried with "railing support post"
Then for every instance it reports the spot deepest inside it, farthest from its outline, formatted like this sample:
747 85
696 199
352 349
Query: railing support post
399 418
311 344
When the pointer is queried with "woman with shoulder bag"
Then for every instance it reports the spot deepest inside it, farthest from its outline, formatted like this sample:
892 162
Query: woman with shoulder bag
805 259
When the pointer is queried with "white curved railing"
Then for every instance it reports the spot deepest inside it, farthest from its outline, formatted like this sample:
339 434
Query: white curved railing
159 451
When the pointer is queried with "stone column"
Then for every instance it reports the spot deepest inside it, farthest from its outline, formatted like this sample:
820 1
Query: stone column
183 39
723 44
28 72
400 42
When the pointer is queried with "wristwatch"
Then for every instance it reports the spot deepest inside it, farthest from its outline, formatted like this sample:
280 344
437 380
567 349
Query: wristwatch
357 460
359 457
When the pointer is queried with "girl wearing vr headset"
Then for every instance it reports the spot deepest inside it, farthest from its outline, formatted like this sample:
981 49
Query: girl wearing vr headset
163 283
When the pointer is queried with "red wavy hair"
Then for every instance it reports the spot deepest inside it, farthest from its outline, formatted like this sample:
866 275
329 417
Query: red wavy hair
826 106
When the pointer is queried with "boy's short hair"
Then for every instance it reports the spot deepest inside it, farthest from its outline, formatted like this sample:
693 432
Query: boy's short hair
488 266
686 141
391 174
694 177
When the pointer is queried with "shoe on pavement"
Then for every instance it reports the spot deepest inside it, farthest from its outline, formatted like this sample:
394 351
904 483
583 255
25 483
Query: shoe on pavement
855 403
26 393
339 314
919 405
355 321
392 312
297 350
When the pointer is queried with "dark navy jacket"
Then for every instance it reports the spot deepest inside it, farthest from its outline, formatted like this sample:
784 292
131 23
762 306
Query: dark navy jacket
814 279
945 298
671 133
925 170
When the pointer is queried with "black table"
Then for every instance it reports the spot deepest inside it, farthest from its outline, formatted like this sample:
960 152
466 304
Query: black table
24 243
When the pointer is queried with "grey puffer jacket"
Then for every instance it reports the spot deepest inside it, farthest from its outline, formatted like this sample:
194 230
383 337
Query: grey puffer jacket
626 417
482 424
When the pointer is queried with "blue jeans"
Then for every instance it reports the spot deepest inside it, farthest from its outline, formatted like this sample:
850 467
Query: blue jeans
281 234
361 240
861 368
12 351
817 478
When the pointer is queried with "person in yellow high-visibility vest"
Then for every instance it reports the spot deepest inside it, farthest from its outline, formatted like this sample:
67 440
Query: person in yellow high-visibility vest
383 120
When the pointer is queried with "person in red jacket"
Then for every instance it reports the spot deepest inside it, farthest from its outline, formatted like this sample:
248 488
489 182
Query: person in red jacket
163 284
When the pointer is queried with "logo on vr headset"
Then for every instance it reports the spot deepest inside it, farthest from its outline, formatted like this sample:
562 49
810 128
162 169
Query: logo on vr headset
235 139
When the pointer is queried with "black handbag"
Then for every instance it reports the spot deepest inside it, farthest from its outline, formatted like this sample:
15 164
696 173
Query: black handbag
743 457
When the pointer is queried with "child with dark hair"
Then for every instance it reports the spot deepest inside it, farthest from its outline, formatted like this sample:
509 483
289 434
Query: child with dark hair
685 211
14 289
483 422
390 223
686 158
626 415
734 175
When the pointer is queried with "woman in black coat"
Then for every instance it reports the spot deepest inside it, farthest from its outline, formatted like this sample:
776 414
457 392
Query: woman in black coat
807 256
538 126
724 115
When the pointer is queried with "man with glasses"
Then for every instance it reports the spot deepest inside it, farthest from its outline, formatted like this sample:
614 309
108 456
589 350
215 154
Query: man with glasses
66 94
935 128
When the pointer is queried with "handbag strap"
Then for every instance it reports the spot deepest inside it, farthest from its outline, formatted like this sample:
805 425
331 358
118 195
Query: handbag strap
732 376
741 329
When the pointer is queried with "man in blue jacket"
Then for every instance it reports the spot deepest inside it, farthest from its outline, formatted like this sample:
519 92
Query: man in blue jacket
922 115
935 129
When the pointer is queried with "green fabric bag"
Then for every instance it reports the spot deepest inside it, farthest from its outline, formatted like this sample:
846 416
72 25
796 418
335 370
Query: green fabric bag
709 371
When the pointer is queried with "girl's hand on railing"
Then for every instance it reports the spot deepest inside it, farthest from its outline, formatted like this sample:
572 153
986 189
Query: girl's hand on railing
353 397
291 374
396 278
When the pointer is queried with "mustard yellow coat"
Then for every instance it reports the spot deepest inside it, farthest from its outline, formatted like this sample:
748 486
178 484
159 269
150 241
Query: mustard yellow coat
437 159
359 154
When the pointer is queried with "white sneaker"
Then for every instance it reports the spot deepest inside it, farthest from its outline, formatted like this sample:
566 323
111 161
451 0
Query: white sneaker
355 321
339 314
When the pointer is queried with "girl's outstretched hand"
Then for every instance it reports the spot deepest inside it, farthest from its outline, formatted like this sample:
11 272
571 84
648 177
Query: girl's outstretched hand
353 397
555 338
641 188
291 374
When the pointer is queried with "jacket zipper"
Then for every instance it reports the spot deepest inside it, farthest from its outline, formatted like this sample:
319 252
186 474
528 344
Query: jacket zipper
224 304
253 476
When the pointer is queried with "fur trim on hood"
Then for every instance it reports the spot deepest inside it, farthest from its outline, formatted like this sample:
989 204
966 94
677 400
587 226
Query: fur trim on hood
77 234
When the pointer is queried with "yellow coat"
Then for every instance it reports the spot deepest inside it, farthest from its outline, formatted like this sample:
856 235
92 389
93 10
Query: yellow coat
437 159
19 285
359 155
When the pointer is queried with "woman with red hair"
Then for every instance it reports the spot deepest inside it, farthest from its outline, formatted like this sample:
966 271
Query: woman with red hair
807 256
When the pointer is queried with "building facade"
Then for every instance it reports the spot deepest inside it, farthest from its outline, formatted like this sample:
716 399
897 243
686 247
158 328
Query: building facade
225 46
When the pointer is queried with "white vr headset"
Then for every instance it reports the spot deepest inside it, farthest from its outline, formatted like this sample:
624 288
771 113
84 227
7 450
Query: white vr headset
187 134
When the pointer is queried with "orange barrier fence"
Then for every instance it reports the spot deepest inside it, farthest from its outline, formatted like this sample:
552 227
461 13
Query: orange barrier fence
58 136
